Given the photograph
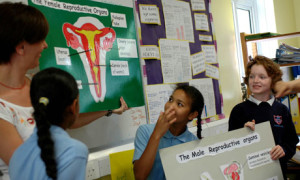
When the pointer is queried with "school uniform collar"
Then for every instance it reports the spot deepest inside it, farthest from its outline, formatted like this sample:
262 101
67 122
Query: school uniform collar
257 102
181 137
54 130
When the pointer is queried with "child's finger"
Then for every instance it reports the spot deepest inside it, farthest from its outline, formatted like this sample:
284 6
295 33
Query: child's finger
172 120
170 115
250 125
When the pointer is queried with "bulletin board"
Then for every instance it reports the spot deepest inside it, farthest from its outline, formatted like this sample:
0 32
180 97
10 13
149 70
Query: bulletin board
178 45
241 154
96 42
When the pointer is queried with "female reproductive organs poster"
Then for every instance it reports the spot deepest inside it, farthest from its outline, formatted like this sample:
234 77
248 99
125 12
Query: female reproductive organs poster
96 42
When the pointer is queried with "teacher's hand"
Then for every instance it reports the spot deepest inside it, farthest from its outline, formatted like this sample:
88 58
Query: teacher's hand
122 108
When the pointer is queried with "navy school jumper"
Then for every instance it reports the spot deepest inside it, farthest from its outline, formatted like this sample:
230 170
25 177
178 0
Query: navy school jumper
280 119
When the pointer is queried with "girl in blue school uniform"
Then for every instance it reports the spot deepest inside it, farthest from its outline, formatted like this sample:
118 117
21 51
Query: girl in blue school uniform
185 104
261 76
50 153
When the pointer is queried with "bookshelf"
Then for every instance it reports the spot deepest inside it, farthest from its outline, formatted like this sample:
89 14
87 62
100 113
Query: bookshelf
245 38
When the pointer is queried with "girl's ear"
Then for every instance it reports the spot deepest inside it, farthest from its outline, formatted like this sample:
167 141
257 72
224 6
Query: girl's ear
20 48
74 106
193 115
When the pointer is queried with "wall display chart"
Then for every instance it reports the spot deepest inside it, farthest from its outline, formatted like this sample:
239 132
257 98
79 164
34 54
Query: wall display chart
96 42
178 45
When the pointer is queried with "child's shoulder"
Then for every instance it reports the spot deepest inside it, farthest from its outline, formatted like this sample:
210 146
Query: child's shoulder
146 128
246 103
279 105
244 106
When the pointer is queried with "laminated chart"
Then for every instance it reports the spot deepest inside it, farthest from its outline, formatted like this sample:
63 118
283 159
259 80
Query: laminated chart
95 42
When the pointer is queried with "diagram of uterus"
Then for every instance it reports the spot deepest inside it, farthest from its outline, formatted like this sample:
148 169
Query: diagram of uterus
92 41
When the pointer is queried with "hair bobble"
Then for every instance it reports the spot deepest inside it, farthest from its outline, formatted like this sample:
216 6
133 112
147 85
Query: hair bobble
44 100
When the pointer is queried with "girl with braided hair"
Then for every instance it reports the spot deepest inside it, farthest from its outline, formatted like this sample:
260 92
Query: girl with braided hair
185 104
50 153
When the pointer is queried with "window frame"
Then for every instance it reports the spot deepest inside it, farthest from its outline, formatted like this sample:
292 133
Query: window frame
248 5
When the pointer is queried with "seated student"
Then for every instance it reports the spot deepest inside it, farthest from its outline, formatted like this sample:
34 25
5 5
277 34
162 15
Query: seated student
185 104
50 152
261 75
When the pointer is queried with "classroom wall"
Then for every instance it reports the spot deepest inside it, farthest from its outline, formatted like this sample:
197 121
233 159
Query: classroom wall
297 17
227 53
287 19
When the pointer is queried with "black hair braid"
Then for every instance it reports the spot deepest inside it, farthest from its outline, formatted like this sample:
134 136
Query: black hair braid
199 126
45 141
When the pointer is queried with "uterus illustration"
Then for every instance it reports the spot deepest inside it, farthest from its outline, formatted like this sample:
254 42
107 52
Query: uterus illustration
92 41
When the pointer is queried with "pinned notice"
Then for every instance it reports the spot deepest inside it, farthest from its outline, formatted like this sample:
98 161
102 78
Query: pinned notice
150 52
201 21
198 63
118 20
149 14
203 37
210 53
119 68
62 56
212 71
198 5
127 48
